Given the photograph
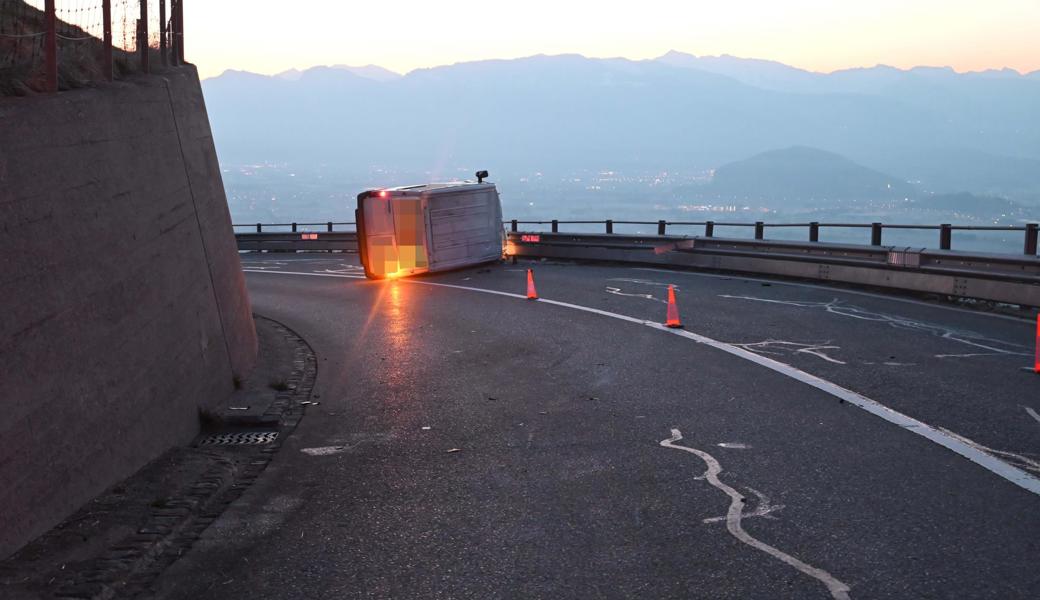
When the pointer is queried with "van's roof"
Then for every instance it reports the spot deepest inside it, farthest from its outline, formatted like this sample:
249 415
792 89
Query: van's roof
427 188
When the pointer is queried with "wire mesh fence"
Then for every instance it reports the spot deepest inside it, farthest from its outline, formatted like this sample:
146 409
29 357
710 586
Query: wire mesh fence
46 45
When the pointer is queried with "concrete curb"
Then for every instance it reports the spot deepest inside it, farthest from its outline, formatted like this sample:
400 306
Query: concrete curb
128 567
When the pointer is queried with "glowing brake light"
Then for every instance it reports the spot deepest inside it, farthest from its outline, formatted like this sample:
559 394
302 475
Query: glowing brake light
382 193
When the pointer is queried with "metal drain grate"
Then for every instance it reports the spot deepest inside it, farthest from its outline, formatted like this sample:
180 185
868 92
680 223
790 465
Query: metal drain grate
240 438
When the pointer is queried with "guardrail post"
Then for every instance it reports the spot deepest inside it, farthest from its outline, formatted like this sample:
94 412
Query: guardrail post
328 226
555 226
660 227
709 229
294 227
814 232
50 46
760 230
259 228
610 226
945 236
512 225
1031 234
875 234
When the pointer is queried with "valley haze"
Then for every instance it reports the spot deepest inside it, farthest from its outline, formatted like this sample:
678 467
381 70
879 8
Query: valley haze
678 137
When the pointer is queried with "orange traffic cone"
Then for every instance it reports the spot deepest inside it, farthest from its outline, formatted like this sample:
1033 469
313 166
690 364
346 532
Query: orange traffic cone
673 310
531 293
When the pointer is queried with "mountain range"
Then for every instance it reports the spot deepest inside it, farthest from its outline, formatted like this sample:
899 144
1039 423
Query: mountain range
944 131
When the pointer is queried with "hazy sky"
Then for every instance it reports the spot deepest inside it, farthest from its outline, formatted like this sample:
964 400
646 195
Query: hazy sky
822 35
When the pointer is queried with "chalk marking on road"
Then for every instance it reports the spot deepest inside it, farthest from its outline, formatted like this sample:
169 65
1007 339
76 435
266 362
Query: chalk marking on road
1018 460
836 307
953 442
325 450
794 347
618 292
764 508
646 282
1032 413
838 590
836 290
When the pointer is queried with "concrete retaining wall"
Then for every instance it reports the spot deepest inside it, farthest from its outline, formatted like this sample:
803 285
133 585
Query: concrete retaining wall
123 308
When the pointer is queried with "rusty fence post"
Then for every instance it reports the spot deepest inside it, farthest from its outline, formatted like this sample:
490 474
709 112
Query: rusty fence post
50 49
178 31
106 39
142 36
162 33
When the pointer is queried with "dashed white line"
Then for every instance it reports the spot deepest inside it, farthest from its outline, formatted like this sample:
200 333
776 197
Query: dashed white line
735 514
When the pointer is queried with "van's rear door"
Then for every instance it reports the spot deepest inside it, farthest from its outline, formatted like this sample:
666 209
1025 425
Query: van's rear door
391 234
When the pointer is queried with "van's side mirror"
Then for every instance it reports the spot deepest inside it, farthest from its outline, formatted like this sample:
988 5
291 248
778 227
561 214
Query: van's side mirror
480 176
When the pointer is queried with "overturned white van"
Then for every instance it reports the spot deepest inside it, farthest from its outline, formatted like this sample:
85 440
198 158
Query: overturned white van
428 228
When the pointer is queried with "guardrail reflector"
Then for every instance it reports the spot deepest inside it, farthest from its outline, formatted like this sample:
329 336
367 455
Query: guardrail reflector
531 239
309 236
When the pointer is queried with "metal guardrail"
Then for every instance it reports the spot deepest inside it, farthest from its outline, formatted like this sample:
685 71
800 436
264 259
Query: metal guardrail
342 241
1014 279
1007 278
1029 247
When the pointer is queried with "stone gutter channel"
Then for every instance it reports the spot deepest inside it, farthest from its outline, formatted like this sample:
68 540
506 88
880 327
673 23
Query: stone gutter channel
119 543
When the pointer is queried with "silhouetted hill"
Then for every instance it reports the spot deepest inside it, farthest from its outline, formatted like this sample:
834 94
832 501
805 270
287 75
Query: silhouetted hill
977 131
800 174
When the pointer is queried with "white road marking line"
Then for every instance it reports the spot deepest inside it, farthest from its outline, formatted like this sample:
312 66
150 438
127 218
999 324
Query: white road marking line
1032 413
838 590
837 290
301 273
734 445
955 443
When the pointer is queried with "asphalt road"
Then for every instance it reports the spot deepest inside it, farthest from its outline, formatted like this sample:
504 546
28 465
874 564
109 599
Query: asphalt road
478 445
